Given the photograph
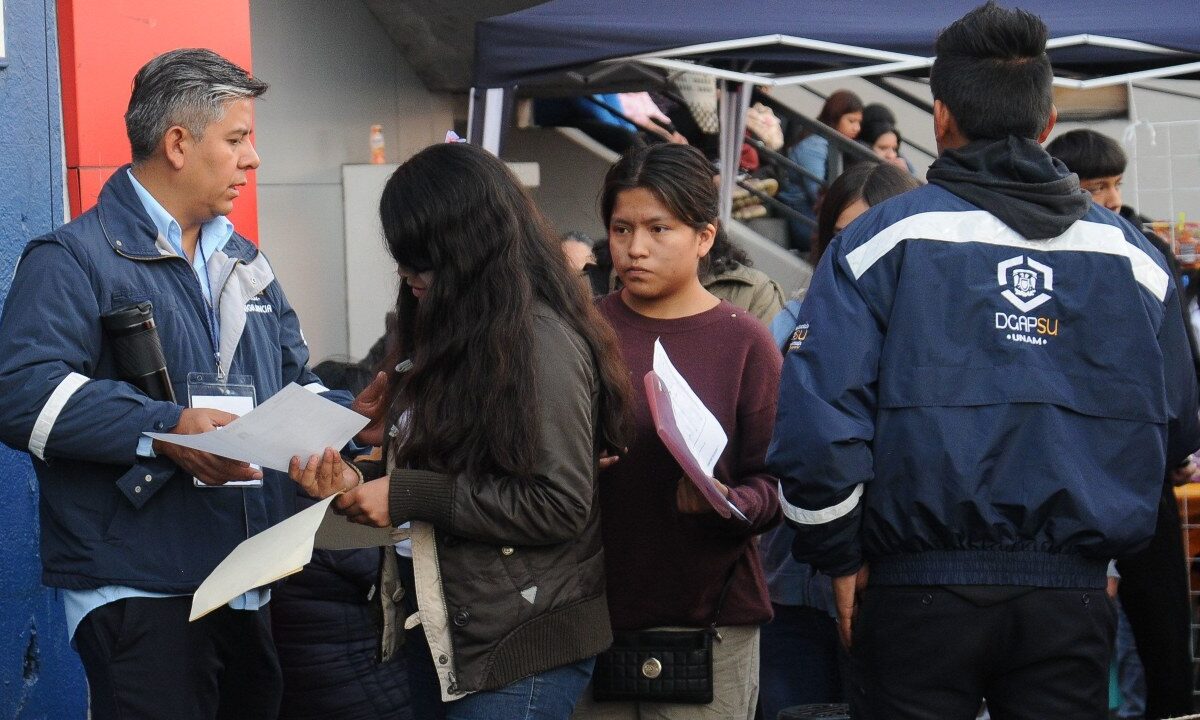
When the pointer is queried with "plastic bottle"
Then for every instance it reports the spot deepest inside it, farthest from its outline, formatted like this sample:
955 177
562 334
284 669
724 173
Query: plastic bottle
377 154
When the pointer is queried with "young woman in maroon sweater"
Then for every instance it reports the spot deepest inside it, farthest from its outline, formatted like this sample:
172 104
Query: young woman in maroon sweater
668 554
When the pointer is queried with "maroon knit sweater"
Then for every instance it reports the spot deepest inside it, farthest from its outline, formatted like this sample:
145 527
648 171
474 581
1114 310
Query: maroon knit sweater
664 567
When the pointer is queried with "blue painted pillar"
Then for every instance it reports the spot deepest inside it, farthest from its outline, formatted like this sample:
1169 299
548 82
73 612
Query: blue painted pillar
40 675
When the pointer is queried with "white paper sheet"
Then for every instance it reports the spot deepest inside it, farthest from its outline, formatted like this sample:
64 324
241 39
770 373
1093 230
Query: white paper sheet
282 550
293 422
705 437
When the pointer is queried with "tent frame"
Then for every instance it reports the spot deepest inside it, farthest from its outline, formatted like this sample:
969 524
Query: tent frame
487 115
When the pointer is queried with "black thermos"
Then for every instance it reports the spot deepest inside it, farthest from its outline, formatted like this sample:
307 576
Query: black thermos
137 350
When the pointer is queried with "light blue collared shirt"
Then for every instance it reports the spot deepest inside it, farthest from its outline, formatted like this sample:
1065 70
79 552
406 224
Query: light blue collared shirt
214 235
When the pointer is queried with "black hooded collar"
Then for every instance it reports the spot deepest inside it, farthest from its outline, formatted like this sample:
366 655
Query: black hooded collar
1016 180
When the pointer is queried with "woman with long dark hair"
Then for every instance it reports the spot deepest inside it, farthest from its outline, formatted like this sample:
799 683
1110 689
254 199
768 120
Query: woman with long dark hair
514 391
673 561
842 111
883 139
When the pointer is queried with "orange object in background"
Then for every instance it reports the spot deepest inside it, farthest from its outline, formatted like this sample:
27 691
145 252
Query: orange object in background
101 47
378 156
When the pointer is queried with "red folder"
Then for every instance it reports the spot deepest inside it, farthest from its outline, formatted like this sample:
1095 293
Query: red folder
668 431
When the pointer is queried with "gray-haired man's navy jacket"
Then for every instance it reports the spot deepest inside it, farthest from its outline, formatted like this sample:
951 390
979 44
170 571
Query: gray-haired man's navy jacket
109 516
962 405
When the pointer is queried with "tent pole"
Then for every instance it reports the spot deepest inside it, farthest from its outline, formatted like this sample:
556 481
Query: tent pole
486 111
735 99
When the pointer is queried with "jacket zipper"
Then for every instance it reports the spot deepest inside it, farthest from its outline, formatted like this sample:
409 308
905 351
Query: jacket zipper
210 311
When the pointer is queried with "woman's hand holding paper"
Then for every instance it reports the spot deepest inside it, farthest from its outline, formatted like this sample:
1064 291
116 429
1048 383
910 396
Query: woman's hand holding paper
367 504
372 403
324 475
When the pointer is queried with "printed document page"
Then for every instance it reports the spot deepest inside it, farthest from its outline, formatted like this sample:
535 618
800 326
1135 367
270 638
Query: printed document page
688 429
293 422
704 436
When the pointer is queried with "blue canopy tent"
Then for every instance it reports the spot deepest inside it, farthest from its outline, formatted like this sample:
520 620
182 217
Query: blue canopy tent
783 42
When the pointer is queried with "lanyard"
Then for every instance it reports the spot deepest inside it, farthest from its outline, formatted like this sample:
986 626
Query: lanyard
214 321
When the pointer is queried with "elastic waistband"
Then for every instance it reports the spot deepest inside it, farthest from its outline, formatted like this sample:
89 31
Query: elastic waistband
989 567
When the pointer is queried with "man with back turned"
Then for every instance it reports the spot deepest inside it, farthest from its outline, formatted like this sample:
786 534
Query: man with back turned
130 527
988 378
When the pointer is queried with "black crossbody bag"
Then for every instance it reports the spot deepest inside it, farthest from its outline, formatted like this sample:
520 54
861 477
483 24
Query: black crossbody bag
665 666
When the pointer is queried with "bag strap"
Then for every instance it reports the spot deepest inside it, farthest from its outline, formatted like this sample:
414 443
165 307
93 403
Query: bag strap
724 593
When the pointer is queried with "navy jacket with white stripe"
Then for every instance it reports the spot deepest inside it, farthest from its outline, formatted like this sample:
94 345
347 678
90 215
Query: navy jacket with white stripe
961 405
109 516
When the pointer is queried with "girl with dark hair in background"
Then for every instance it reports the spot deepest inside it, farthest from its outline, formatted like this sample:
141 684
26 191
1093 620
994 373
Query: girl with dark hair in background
669 554
884 140
860 188
515 389
800 660
842 112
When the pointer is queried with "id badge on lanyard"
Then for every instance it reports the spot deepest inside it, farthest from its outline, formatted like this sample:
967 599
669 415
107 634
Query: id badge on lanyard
233 394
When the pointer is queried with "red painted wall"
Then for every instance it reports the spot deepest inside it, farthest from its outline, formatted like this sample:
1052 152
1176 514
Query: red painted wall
101 47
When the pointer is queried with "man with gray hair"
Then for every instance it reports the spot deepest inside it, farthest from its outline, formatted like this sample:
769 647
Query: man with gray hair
130 527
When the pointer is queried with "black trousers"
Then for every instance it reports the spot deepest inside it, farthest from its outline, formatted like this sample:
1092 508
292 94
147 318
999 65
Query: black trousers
143 659
1154 593
934 653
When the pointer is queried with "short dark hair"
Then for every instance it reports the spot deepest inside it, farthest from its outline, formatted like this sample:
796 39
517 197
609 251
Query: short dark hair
878 112
871 131
682 178
993 74
1088 154
188 87
870 182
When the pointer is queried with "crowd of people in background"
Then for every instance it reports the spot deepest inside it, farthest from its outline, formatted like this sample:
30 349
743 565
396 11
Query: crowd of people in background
916 510
831 189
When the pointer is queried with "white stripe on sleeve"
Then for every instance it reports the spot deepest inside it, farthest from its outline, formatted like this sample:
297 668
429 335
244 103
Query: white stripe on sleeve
316 387
50 411
801 516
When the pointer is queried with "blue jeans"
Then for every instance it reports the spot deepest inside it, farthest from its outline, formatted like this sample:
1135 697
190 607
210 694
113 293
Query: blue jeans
549 695
1131 676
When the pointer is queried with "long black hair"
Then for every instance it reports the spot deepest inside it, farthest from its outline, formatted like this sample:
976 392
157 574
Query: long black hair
472 395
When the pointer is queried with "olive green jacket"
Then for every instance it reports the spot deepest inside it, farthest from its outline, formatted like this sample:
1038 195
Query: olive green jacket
747 288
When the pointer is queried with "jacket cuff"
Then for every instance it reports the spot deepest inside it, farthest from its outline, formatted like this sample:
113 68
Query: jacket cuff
166 416
421 495
144 479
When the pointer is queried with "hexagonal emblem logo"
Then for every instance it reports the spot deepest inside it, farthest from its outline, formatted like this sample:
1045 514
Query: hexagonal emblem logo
1027 282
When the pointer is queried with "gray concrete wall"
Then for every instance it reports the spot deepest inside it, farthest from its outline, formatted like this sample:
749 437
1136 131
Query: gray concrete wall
572 169
333 72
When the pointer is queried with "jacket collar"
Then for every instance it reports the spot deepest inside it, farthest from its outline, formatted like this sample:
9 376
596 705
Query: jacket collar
130 231
737 274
